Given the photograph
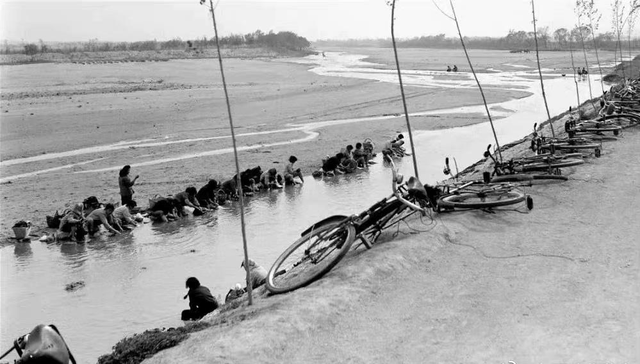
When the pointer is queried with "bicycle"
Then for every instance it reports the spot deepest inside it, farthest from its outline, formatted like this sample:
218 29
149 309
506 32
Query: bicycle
549 162
325 243
478 195
44 344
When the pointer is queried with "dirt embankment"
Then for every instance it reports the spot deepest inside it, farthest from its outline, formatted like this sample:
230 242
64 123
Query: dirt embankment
623 70
555 284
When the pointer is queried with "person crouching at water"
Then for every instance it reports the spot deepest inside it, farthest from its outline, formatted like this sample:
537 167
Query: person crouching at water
330 165
361 157
347 164
101 216
71 224
164 209
201 301
122 215
207 195
290 173
257 274
126 184
269 179
188 198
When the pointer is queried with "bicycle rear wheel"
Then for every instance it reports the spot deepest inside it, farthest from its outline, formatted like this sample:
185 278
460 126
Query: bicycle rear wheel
310 257
482 199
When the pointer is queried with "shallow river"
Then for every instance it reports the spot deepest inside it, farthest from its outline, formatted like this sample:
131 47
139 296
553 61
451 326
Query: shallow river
136 281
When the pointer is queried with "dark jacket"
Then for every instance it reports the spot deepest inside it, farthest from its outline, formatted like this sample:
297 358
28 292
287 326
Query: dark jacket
331 164
201 299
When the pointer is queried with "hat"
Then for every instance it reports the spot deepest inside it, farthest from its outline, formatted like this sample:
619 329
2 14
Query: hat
251 263
237 287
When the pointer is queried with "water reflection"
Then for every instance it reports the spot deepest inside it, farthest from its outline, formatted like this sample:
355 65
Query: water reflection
75 254
23 253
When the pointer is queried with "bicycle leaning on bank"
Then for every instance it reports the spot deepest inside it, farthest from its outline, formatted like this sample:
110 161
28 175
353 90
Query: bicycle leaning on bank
325 243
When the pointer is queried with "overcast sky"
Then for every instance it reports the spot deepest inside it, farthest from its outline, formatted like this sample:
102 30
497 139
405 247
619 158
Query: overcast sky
118 20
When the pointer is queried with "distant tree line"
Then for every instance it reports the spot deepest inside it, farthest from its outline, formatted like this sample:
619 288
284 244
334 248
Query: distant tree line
560 39
282 40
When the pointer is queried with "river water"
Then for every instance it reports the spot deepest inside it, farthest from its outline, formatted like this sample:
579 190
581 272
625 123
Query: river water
135 282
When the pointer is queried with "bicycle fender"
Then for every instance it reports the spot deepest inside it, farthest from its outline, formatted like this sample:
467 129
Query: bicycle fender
323 222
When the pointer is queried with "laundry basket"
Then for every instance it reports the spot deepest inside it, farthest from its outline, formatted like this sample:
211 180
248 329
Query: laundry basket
21 232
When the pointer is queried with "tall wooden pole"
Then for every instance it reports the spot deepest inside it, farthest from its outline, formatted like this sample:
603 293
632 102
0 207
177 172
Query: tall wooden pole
235 155
544 96
484 100
404 102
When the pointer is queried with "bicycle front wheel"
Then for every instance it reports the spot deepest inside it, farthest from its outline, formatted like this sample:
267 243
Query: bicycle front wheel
482 199
310 257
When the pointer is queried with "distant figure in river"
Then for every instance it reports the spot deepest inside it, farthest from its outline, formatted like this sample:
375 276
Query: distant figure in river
207 195
584 71
126 184
290 172
455 68
201 301
269 179
367 147
102 216
361 157
122 215
348 164
89 204
163 209
257 274
448 68
188 198
395 146
71 225
330 165
346 151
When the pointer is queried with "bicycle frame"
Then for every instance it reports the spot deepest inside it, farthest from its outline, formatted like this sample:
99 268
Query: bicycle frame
380 213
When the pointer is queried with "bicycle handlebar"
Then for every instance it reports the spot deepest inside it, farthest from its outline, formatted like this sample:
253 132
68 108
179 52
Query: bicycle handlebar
396 190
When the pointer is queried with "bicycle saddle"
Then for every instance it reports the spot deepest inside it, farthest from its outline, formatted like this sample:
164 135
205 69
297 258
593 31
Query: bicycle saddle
415 188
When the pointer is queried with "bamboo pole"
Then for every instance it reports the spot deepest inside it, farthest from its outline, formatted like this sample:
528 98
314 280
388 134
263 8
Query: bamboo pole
235 155
586 62
544 95
404 102
484 99
573 66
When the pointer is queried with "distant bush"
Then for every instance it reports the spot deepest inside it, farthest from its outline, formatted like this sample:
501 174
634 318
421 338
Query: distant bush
30 49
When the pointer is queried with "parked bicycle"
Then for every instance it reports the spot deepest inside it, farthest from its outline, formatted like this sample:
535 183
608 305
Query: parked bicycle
545 162
326 242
